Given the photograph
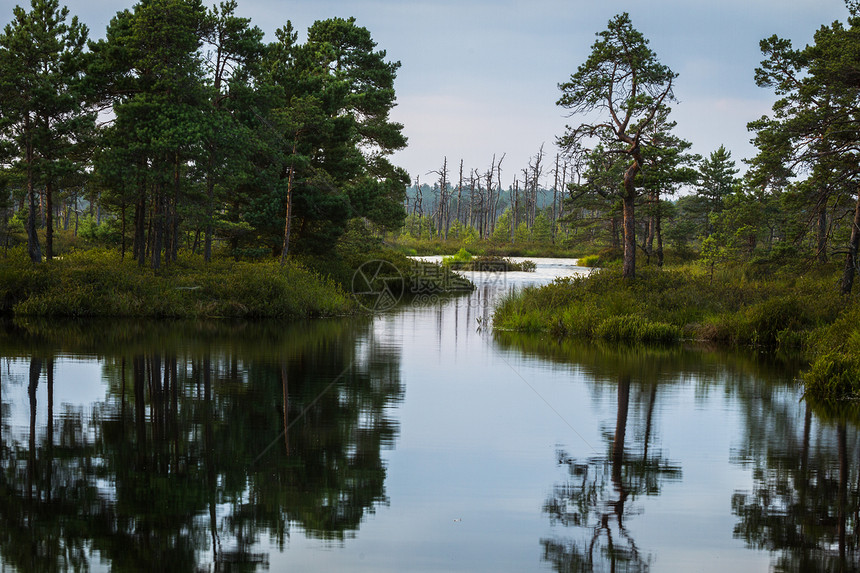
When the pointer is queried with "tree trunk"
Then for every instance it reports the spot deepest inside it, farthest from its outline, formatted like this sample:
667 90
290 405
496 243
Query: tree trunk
652 229
629 262
851 258
174 215
288 218
210 207
122 232
460 195
554 201
822 231
629 205
32 237
659 228
158 229
49 220
138 247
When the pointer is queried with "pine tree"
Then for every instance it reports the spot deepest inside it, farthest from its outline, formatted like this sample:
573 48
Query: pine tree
42 103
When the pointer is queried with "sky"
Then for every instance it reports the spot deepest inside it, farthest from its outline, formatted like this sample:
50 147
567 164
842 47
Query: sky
480 78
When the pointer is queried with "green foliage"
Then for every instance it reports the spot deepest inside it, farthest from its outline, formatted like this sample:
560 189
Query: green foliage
680 303
809 131
522 235
502 230
623 81
631 328
833 377
835 371
44 113
461 256
542 229
716 181
106 233
588 261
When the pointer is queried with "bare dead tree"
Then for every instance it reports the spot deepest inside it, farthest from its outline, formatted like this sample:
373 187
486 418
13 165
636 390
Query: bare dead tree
536 170
515 202
460 194
554 199
441 212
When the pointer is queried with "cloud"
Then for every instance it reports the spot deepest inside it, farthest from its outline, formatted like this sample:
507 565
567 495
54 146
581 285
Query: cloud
480 76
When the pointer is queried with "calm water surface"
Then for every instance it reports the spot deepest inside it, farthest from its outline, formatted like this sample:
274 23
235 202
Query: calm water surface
418 440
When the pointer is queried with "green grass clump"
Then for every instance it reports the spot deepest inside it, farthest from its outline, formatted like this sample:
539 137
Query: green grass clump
461 256
833 376
631 328
835 348
588 261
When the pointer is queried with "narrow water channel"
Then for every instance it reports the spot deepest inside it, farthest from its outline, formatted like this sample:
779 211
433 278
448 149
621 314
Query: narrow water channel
415 440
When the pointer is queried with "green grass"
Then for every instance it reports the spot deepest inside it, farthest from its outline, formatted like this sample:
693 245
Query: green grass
461 256
782 312
98 283
588 261
834 374
680 303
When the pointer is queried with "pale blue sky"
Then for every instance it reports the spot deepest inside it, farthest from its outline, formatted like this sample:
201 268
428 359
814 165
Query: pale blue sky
480 77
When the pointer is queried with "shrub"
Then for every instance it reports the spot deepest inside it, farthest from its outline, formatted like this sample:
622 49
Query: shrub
461 256
833 376
588 261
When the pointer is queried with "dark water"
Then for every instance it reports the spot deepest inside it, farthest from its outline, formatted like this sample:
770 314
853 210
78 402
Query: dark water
415 441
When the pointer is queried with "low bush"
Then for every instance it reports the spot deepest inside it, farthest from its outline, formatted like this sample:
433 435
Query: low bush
588 261
461 256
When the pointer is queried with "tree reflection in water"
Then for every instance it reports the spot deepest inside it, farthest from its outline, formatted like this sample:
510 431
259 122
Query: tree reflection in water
601 492
177 465
804 506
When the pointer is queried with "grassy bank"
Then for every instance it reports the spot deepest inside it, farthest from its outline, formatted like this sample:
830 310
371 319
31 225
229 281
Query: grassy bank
98 283
787 313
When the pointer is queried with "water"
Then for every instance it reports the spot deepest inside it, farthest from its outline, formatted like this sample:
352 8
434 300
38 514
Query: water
416 441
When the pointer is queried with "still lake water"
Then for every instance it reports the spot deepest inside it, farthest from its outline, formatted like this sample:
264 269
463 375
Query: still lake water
418 440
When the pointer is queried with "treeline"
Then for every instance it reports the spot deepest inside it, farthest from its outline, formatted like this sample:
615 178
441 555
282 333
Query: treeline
799 199
572 205
626 185
182 128
471 205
